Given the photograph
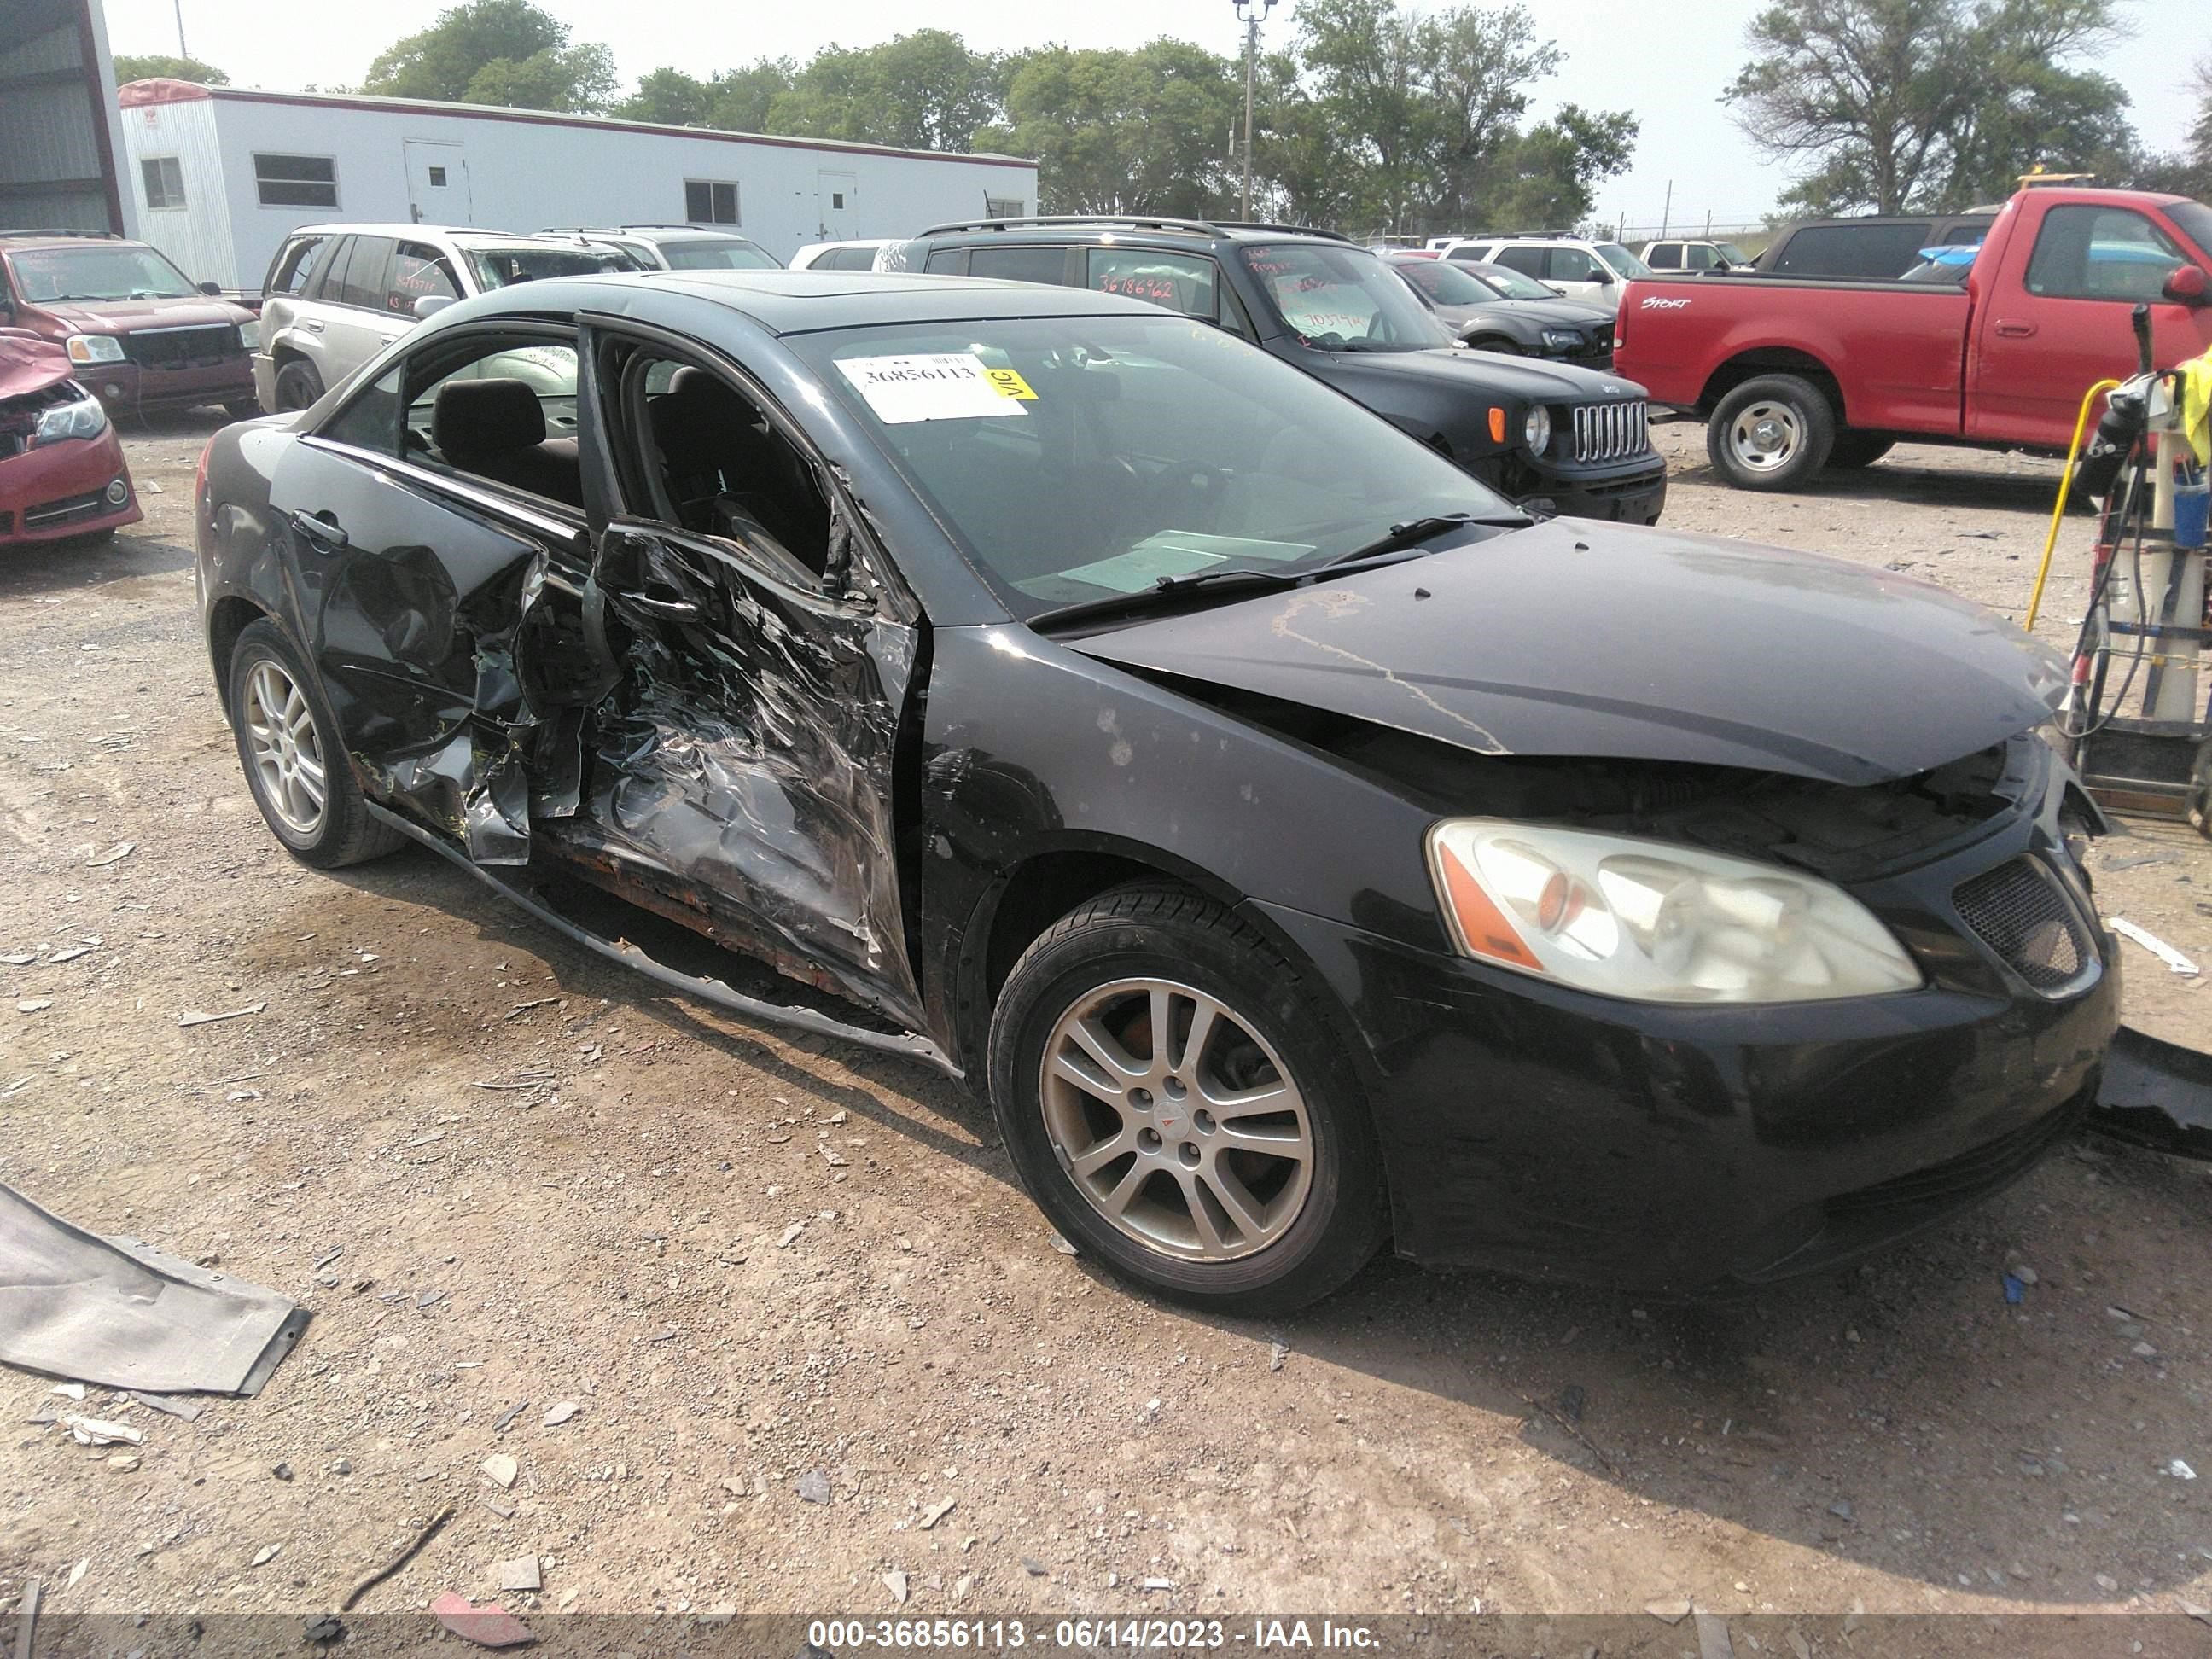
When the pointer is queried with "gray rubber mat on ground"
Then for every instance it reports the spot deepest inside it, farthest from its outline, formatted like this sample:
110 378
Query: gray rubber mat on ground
121 1314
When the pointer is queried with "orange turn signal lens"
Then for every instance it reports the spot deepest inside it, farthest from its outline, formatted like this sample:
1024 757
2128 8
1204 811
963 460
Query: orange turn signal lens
1497 425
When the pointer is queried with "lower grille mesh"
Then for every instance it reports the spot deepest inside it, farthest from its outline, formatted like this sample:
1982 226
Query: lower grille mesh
2018 911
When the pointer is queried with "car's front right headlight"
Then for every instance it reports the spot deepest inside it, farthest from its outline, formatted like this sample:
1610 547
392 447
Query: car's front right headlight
81 417
1562 339
1653 921
94 349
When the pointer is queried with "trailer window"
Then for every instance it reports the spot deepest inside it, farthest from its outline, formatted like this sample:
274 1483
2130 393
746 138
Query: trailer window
296 180
165 181
710 202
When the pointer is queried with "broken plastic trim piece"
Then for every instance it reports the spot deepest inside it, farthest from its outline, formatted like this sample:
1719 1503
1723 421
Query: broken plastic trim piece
2156 1094
907 1045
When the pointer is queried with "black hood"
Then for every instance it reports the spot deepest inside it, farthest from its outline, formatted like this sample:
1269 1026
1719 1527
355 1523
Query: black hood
1475 377
1543 314
1573 638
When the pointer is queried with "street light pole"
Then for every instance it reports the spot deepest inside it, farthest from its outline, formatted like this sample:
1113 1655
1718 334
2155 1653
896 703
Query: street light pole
1248 13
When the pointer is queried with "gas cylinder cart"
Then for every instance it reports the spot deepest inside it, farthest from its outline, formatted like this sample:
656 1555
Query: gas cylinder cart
2135 722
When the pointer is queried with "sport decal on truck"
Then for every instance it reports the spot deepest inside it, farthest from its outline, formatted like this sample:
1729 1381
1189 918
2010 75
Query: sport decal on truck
1654 303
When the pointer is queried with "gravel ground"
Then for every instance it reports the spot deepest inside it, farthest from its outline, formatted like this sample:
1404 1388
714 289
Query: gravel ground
767 1271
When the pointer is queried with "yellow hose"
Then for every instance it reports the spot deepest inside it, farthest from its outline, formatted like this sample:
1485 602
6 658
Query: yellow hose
2081 425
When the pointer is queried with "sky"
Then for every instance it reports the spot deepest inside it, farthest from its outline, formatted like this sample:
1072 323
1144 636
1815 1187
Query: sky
1667 60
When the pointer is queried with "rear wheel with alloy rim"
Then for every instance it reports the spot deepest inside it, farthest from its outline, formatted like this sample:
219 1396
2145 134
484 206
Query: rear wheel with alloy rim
297 772
298 386
1772 432
1176 1104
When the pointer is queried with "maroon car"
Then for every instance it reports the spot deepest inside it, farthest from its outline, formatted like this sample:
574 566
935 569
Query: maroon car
62 473
137 332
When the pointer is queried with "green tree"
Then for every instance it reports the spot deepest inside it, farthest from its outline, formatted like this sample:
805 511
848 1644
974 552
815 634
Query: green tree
669 97
1141 132
496 52
744 97
148 66
925 91
1896 104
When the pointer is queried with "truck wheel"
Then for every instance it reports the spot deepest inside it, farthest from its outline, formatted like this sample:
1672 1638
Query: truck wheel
1772 432
1177 1105
298 386
1854 450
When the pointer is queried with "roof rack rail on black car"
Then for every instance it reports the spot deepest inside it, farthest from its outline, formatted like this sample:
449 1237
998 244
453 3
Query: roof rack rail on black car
1289 230
1139 221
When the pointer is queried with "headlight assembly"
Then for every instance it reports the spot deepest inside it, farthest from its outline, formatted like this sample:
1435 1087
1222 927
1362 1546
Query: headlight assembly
249 335
94 349
1656 922
80 417
1562 339
1536 429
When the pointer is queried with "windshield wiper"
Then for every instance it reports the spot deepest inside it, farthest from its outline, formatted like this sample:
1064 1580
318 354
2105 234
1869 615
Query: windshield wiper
1414 531
1238 574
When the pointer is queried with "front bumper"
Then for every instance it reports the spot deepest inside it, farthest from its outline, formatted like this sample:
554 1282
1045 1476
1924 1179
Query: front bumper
1538 1130
59 491
129 388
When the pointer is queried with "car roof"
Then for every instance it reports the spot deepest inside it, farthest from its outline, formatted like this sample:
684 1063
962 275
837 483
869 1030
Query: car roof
460 235
16 239
803 301
1142 228
650 232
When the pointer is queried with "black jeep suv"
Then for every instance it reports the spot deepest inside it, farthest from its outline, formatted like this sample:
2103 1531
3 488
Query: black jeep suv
1537 431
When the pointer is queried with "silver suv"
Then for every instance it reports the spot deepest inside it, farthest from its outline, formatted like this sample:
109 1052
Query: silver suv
338 295
679 247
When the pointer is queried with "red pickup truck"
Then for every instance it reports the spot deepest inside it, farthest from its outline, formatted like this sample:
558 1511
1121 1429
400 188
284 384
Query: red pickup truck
1792 374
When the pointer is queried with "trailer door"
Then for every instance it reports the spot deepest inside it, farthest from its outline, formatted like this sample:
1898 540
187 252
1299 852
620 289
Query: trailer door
438 183
839 207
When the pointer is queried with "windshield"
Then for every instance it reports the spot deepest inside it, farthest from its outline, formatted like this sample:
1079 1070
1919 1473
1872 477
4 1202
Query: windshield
1080 457
717 255
1342 298
98 272
1513 284
1732 254
1447 284
503 267
1624 263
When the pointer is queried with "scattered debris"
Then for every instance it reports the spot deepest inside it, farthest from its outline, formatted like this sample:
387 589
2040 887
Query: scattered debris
2152 943
26 1620
501 1468
1031 1565
813 1487
556 1415
91 1431
267 1554
2180 1471
282 1472
1670 1610
2106 1582
491 1627
520 1573
429 1299
1277 1353
2015 1288
790 1234
1157 1584
510 1414
1572 1398
2026 1275
115 854
192 1018
2132 860
1062 1245
34 1005
937 1512
323 1629
1713 1636
431 1529
524 1007
69 1390
1574 1430
124 1462
895 1582
504 1511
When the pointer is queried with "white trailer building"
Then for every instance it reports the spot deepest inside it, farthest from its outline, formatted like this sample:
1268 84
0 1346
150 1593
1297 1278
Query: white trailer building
222 175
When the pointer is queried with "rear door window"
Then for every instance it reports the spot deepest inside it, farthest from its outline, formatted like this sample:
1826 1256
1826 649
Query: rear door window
1665 255
1180 282
368 274
1570 264
419 272
1529 261
949 261
1020 265
1701 258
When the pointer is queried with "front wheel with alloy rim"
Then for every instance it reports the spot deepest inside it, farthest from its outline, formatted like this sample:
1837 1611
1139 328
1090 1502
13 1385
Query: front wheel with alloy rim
1772 432
296 771
1173 1100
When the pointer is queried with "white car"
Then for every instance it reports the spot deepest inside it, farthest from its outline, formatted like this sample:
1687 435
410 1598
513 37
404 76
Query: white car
1579 269
678 248
338 295
1694 255
859 255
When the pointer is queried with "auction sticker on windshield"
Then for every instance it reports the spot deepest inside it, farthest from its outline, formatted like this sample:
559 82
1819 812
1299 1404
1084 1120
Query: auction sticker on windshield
952 386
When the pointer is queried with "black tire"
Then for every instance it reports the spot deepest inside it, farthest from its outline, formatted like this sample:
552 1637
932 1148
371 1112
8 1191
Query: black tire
1170 933
245 408
1854 450
345 833
1804 429
298 386
1499 343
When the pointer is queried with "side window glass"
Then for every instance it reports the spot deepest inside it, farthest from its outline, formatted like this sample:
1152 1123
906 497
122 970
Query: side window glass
712 463
1701 259
298 267
1663 256
368 273
1019 264
1571 265
370 421
501 410
2100 253
1182 282
329 282
946 260
1529 261
418 273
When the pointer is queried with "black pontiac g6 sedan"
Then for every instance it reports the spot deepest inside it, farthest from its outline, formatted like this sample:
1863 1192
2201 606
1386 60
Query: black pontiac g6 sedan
1303 847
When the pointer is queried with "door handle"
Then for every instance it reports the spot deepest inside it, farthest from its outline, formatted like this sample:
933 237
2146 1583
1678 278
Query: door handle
322 533
2016 331
660 607
311 325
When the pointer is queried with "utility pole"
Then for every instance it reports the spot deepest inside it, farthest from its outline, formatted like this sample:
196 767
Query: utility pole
181 53
1248 13
1667 213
